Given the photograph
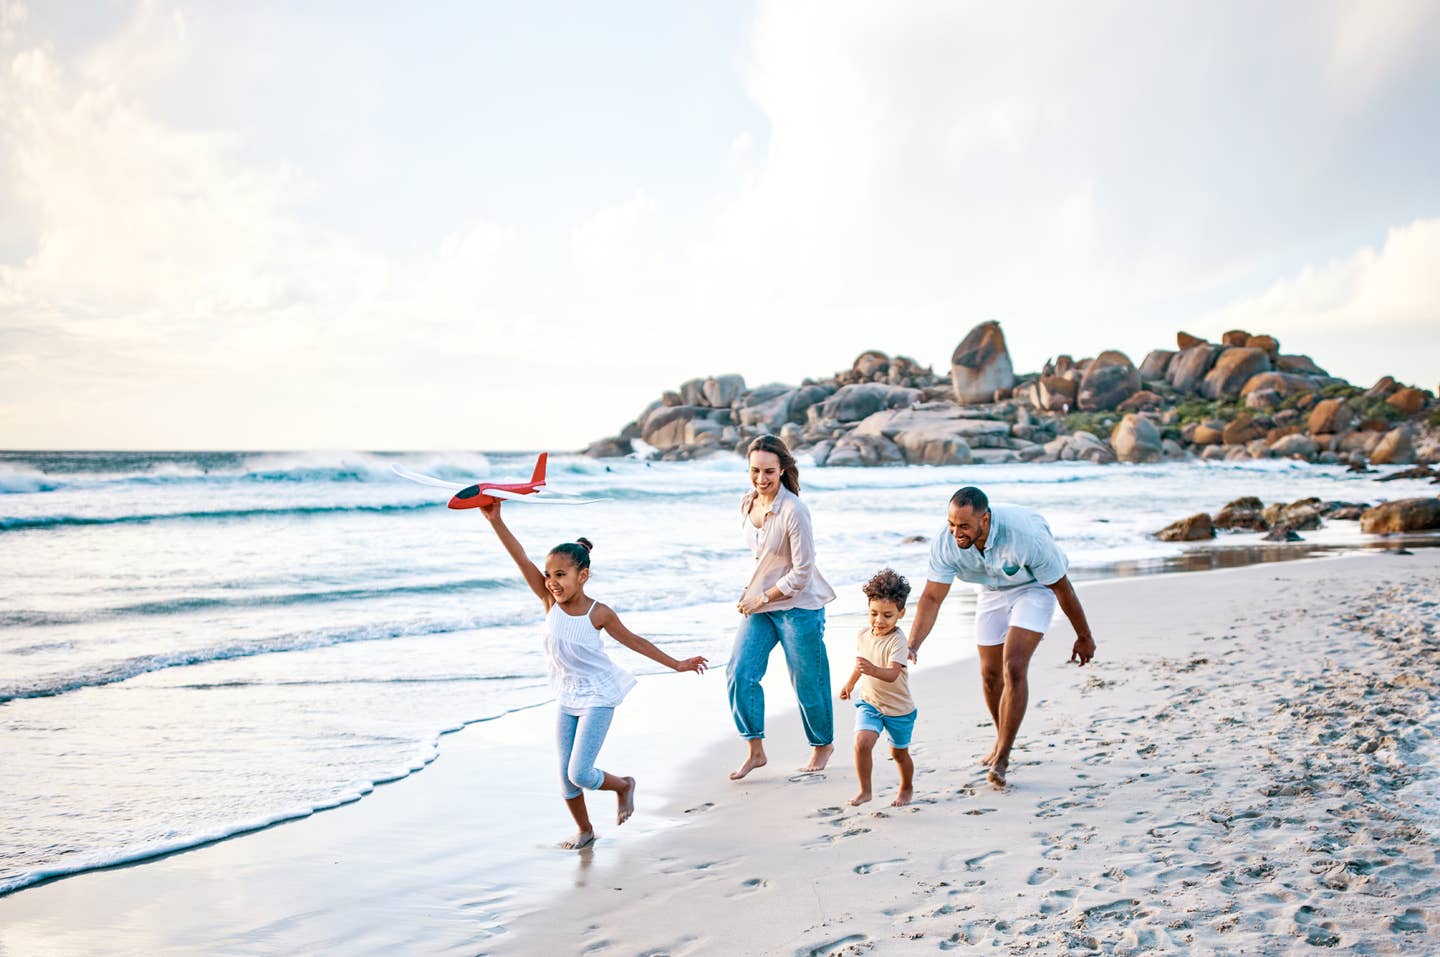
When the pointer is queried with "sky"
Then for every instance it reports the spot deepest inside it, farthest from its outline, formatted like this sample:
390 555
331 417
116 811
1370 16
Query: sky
511 225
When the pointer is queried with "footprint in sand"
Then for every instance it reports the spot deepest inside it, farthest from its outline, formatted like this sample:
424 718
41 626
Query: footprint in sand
1056 901
978 861
828 811
752 886
843 835
1040 875
807 777
982 810
832 948
876 866
700 808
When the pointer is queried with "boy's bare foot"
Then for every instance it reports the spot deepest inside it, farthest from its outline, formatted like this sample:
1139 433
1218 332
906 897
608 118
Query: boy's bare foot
625 802
581 839
820 758
903 798
860 799
997 773
757 759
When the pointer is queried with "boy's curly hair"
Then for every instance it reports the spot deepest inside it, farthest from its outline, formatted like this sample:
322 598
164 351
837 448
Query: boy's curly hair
888 585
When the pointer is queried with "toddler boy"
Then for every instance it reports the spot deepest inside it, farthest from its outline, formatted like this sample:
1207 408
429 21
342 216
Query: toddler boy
880 685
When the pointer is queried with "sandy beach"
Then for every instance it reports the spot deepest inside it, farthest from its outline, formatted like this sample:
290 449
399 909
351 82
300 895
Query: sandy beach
1244 768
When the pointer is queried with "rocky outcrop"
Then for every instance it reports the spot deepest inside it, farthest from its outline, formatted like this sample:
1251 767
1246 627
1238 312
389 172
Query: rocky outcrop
1205 399
981 364
1247 513
1406 515
1110 379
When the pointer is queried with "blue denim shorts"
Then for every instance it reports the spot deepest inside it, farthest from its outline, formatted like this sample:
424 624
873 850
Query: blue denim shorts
870 718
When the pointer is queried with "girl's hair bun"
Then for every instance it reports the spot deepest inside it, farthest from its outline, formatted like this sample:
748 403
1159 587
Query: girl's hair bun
583 541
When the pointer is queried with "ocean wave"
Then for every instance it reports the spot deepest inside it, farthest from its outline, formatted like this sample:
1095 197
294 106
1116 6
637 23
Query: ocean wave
113 672
36 618
21 523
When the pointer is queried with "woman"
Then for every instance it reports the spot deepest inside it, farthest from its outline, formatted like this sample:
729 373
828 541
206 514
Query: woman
784 603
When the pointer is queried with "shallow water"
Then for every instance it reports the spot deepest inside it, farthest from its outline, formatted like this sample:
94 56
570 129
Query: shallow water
196 644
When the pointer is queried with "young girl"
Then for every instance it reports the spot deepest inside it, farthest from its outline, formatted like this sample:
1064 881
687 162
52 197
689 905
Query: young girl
587 683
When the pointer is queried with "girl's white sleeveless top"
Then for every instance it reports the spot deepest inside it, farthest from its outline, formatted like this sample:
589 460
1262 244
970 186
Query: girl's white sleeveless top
581 673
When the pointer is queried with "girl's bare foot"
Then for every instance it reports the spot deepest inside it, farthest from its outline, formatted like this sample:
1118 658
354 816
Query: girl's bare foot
820 758
903 798
625 802
997 773
860 799
755 760
581 839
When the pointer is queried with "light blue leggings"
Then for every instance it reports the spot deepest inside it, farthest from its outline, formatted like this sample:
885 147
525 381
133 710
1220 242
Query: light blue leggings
580 732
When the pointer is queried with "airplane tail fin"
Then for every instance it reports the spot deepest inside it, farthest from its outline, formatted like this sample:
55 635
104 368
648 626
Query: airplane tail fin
539 477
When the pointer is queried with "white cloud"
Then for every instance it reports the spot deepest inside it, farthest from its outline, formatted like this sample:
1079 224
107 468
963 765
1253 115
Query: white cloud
1373 313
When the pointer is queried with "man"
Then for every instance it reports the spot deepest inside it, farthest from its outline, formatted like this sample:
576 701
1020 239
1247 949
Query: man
1009 552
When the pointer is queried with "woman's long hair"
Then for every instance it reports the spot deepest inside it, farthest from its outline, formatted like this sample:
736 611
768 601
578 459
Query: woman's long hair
789 471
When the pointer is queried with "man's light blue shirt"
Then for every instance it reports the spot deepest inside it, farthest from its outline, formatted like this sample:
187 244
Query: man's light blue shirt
1020 550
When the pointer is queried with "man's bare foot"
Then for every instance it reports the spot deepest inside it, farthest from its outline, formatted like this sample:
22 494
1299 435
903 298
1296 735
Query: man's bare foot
989 759
820 758
581 839
860 798
756 760
903 798
625 802
997 773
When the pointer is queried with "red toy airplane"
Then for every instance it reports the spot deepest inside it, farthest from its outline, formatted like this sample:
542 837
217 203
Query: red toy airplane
487 493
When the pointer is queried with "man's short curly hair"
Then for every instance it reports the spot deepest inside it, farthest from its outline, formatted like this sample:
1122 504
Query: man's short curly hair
888 585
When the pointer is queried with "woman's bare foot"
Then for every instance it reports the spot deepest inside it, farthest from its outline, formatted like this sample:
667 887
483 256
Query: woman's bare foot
903 798
756 759
581 839
997 773
860 799
625 802
820 758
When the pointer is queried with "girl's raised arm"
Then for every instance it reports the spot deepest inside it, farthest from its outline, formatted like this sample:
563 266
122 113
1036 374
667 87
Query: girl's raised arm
533 576
606 620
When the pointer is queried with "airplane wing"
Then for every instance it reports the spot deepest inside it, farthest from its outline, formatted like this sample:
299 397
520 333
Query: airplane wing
421 478
534 498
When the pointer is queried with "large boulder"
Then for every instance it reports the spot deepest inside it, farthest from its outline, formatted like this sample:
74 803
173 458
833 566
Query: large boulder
1056 393
1242 429
1266 344
1155 364
1187 370
1142 401
1186 341
1406 515
981 364
1285 383
1330 417
934 435
851 403
1301 516
721 391
1231 371
791 405
864 450
1235 337
1395 449
665 427
1294 446
1246 513
1407 400
1109 380
1383 388
1196 528
869 364
1135 439
1299 365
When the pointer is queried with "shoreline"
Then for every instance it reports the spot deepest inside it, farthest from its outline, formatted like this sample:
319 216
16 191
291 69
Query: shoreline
412 827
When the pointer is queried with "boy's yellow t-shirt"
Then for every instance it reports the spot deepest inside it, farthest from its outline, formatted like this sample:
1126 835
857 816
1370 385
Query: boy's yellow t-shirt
888 697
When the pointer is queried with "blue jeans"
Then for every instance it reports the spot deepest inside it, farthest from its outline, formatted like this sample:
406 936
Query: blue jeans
580 732
801 632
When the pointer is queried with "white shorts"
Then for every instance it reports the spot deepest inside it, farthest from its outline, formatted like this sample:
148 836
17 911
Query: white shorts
998 609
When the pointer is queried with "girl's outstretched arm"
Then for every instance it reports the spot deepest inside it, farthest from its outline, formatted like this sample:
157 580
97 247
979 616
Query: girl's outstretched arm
607 621
533 576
